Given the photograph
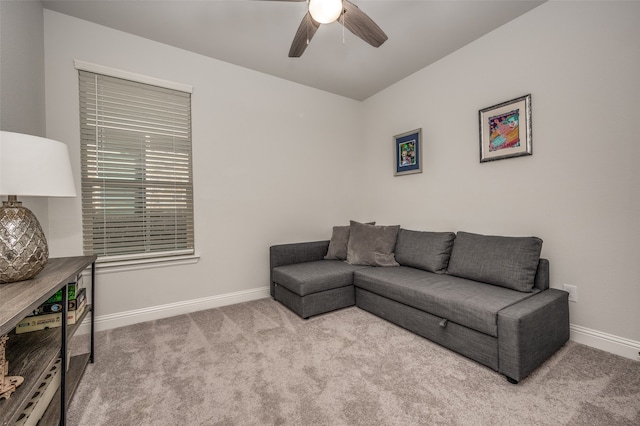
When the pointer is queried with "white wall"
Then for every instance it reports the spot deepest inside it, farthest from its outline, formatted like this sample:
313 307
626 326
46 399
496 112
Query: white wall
271 163
579 192
22 67
22 79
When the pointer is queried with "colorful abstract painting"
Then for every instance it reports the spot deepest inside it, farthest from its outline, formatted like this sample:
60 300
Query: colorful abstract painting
504 131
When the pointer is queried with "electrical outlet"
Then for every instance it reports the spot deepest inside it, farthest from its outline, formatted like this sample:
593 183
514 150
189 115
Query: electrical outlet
572 290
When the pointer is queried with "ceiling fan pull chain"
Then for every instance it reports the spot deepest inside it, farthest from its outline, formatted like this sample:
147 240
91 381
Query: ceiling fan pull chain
344 22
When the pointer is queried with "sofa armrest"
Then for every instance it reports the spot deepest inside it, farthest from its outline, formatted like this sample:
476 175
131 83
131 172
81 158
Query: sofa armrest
530 331
289 254
542 275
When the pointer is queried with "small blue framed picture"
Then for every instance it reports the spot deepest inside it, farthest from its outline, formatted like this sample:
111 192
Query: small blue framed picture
408 152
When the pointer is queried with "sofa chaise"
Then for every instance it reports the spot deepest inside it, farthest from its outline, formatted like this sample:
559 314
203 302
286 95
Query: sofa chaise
485 297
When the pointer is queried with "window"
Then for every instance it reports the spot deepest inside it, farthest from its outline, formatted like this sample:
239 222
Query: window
137 186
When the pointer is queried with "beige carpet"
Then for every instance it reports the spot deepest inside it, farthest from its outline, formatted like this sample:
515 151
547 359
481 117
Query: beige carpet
257 363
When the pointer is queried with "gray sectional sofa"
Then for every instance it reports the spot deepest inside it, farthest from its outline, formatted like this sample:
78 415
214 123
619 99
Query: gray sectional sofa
485 297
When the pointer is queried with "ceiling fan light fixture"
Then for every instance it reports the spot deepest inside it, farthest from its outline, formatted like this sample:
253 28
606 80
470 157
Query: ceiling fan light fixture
325 11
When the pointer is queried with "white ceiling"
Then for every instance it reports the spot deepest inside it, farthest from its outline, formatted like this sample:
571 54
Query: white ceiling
258 34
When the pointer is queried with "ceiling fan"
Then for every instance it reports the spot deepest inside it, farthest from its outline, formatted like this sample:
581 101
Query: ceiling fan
328 11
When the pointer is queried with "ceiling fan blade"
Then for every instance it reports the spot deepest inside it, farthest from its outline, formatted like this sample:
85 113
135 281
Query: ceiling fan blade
361 25
306 30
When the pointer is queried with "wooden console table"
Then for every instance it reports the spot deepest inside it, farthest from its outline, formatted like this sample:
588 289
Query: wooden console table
31 355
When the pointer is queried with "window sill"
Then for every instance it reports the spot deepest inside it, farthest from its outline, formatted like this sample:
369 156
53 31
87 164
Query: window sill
138 264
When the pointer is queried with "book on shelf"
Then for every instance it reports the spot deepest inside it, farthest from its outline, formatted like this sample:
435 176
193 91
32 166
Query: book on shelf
72 304
73 289
74 316
52 320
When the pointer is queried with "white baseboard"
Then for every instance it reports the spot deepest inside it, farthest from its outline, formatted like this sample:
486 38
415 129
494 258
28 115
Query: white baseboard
121 319
594 338
606 342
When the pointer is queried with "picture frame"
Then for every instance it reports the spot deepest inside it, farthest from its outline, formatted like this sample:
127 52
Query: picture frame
506 130
407 148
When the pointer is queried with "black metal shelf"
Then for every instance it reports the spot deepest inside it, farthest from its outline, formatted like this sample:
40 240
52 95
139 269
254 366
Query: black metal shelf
32 354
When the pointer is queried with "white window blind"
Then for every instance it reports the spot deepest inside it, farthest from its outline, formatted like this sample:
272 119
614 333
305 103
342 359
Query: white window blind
137 186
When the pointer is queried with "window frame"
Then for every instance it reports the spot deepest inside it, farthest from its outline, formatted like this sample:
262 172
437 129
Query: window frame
146 259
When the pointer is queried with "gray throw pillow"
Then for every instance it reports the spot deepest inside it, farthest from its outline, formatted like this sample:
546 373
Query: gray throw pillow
509 262
372 245
338 243
429 251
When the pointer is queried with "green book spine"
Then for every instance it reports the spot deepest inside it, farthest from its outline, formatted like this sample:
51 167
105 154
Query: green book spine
73 287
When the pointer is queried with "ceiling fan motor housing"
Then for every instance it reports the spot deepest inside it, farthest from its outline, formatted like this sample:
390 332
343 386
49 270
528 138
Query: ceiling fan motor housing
325 11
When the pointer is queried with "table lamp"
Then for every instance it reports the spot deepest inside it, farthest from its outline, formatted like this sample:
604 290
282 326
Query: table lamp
35 167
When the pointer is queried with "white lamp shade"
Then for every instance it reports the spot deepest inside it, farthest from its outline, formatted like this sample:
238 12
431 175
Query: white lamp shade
325 11
34 166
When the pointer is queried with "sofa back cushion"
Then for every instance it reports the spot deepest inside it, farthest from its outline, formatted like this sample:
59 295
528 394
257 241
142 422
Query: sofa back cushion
429 251
509 262
338 244
372 245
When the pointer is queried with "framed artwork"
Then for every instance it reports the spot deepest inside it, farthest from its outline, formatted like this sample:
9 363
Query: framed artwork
505 130
407 156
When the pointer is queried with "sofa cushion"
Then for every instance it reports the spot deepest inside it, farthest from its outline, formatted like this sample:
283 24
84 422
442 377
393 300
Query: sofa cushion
372 244
509 262
469 303
402 274
424 250
313 277
338 243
